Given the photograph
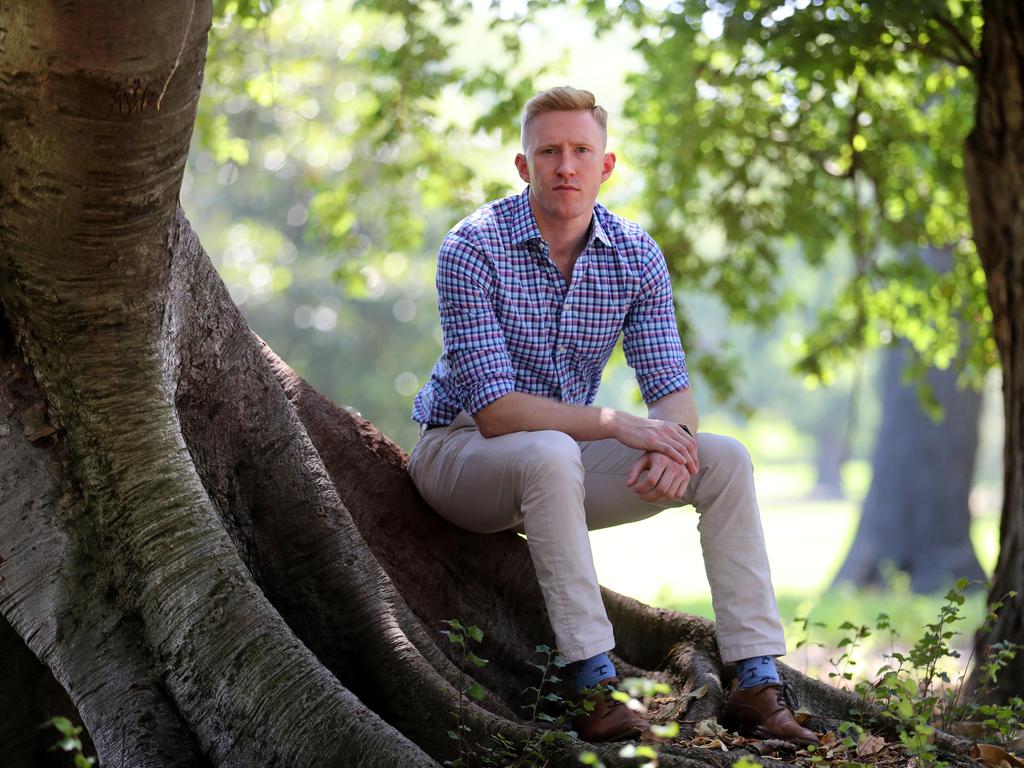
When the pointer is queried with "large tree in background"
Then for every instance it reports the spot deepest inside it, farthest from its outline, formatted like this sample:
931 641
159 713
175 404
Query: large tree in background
217 565
915 517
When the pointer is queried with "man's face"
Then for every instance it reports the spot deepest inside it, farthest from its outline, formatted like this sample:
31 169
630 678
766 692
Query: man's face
565 164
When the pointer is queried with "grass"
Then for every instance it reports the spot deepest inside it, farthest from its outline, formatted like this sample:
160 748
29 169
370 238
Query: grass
807 540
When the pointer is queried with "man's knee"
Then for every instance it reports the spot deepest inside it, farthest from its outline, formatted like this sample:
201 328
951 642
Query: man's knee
551 455
725 454
724 458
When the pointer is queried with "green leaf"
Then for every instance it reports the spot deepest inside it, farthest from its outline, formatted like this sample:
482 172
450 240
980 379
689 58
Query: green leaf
476 633
667 731
475 660
476 691
64 725
905 709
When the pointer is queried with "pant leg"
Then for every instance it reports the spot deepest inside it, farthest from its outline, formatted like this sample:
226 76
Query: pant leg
732 540
530 478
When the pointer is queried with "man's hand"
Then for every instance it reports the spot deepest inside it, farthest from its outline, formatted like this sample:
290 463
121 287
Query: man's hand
663 437
666 480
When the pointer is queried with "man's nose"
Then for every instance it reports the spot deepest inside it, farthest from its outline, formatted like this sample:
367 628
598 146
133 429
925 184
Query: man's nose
566 167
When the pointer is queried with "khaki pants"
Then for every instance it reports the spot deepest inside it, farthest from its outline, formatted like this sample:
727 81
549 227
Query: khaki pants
555 488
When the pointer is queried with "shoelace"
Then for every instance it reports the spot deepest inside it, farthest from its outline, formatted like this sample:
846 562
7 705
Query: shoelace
787 697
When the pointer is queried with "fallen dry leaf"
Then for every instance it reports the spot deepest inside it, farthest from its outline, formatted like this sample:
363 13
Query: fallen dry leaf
697 694
990 754
869 745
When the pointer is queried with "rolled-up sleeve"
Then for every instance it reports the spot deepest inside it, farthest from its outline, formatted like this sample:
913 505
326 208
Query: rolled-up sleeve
478 360
650 332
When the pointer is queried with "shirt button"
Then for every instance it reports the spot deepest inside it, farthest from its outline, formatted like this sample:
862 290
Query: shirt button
561 348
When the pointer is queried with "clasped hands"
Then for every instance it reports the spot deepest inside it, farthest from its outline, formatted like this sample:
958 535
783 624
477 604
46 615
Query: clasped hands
670 459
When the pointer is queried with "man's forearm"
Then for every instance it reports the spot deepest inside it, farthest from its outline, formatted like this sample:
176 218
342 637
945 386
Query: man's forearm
678 406
520 412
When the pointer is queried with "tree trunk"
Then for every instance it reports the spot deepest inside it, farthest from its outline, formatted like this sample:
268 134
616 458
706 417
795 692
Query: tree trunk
915 516
830 447
217 565
994 165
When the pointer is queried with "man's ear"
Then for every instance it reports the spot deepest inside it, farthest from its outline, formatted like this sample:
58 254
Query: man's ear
523 167
607 166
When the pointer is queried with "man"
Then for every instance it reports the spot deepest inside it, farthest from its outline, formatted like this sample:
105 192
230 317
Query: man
534 291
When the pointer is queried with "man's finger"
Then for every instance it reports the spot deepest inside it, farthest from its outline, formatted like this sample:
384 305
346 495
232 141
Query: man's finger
692 464
672 452
650 481
679 487
655 472
637 468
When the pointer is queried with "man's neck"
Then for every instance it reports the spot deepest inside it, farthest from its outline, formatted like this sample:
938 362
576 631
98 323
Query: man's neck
566 239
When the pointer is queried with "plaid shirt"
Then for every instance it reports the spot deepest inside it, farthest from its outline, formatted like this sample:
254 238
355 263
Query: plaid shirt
511 324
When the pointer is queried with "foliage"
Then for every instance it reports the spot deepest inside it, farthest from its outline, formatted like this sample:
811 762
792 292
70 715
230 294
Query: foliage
463 636
766 126
914 688
70 741
503 751
333 150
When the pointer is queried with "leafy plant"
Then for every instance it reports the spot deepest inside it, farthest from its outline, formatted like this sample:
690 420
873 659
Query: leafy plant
502 751
461 636
71 741
848 646
914 688
533 754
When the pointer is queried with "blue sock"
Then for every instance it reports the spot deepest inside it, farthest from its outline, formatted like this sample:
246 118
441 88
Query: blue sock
757 671
590 672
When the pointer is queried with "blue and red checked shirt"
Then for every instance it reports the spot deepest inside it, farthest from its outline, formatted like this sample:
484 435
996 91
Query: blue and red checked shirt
511 324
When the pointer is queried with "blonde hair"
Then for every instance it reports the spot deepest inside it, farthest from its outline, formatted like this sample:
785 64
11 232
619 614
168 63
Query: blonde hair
564 98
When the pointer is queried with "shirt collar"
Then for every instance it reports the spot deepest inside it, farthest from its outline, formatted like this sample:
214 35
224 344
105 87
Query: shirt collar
597 231
525 229
524 225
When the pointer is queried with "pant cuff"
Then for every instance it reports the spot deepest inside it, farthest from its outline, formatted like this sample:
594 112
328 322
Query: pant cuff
581 652
738 652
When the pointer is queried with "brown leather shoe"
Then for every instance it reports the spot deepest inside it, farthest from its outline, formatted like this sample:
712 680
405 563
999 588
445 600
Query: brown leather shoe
609 719
766 712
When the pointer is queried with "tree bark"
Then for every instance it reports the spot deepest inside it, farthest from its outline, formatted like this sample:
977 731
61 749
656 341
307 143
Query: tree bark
915 517
830 448
994 165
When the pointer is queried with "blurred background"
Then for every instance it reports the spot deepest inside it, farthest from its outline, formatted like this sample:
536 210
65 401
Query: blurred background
802 170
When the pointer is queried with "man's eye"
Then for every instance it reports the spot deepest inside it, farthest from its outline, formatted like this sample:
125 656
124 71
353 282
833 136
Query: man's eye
582 150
